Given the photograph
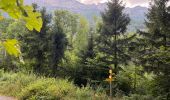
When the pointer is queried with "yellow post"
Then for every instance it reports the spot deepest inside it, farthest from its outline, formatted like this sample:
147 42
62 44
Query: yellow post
110 77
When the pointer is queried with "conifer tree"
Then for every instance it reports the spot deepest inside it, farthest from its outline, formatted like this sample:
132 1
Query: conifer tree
155 42
113 40
40 42
155 45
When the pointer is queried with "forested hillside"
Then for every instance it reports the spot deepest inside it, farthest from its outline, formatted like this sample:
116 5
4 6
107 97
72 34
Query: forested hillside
137 14
50 53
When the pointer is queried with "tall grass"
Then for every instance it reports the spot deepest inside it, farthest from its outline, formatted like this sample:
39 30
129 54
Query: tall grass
30 87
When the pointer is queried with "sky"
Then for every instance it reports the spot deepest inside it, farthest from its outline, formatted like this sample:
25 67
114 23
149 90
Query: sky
129 3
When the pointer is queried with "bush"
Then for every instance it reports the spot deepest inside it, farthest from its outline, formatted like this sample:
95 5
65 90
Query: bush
31 87
138 97
12 83
47 89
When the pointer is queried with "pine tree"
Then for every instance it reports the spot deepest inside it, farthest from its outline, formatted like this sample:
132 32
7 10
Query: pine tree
113 40
41 42
155 42
85 55
89 52
155 45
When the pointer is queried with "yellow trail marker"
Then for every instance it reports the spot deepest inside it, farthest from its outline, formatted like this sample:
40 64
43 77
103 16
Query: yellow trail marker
110 79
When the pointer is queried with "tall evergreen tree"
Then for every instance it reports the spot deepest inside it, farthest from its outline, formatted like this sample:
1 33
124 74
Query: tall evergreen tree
113 40
42 41
84 72
155 45
58 44
89 52
156 41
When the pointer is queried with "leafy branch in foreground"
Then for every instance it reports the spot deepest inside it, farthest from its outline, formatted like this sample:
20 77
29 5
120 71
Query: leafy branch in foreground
17 10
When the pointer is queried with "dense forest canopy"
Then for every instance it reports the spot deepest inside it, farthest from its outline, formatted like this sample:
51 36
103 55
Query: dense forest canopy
61 55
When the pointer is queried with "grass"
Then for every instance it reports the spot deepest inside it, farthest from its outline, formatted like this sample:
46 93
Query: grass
31 87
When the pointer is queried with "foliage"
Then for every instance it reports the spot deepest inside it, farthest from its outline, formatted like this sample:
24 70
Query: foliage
58 45
12 83
34 45
131 79
29 86
76 29
154 46
17 10
155 42
65 45
139 97
12 47
69 21
4 24
113 41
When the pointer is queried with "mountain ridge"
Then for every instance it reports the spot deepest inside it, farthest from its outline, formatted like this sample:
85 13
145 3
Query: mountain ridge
137 14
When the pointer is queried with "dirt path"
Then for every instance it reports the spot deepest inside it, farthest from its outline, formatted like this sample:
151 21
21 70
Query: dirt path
6 98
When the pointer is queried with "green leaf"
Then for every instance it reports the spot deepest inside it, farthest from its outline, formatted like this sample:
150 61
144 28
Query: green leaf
33 21
12 47
10 7
17 11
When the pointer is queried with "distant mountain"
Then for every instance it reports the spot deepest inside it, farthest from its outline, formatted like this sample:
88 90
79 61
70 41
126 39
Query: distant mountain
137 14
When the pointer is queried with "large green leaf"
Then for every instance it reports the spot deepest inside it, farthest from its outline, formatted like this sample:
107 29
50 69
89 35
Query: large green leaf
12 47
17 10
10 7
33 21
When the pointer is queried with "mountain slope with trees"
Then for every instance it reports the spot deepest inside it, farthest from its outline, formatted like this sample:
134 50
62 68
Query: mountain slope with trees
137 14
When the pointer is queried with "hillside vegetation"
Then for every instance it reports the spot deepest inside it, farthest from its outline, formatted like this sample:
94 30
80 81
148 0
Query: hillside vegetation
60 55
31 87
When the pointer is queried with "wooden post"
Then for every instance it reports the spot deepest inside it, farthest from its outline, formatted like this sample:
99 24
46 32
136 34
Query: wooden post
111 78
110 90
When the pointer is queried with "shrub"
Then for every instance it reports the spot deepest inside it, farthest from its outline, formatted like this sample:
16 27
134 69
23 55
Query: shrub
138 97
47 89
31 87
12 83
